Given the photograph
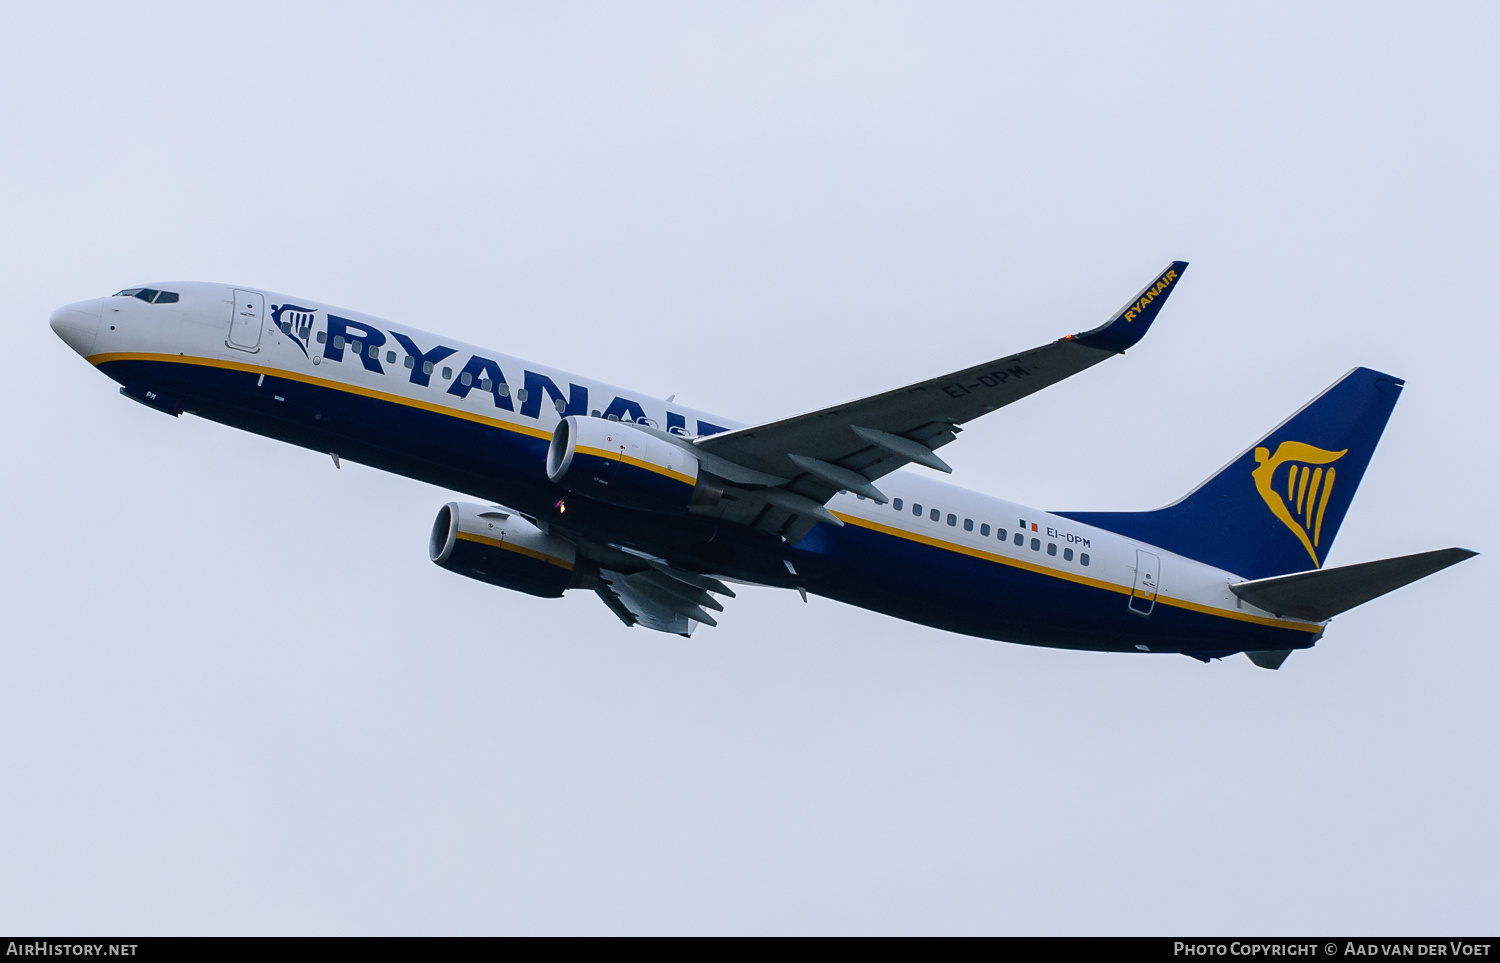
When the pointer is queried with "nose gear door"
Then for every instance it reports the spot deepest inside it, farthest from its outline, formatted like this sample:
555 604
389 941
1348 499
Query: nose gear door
245 323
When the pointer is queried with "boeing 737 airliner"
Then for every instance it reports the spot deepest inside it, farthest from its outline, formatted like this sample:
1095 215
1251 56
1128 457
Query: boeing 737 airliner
654 506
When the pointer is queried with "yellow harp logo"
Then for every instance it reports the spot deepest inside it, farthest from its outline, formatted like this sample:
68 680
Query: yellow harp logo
1306 484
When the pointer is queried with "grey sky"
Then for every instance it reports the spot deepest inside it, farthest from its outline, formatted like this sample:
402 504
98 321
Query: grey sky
238 698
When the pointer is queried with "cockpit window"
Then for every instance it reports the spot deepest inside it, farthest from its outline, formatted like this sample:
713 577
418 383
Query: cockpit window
149 295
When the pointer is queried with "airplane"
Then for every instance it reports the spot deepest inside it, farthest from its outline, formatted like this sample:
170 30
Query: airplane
657 507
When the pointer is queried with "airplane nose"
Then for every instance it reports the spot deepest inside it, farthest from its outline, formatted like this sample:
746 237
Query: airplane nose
78 324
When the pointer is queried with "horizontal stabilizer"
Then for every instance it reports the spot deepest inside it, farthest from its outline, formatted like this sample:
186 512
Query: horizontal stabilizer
1321 594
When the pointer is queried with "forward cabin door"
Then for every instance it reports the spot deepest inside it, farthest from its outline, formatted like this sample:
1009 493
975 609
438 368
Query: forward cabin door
245 323
1147 578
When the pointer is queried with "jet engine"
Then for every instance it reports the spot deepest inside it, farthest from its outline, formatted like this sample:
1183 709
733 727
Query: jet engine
495 546
620 464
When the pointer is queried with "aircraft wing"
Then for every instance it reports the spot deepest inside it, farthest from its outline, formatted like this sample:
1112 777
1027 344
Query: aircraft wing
848 446
661 598
646 590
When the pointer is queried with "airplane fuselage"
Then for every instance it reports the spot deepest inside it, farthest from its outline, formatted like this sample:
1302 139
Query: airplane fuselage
480 422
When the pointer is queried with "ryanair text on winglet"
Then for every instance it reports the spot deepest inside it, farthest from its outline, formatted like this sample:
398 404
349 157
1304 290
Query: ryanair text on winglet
1161 285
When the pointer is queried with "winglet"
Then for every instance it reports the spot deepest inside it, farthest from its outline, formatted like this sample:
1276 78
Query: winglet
1132 321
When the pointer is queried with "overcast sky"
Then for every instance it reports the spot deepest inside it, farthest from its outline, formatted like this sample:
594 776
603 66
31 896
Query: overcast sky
238 698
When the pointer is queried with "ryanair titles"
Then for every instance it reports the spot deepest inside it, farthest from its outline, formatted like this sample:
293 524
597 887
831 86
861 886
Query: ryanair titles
344 338
1164 282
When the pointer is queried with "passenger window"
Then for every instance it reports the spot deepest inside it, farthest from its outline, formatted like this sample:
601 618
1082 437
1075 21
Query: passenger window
322 336
952 520
896 504
447 373
614 417
985 530
968 524
427 367
562 406
286 327
860 497
1020 539
338 341
935 514
1036 544
484 384
356 347
521 394
390 357
1067 555
1051 548
504 390
410 362
374 352
1000 534
1084 558
916 510
166 297
466 378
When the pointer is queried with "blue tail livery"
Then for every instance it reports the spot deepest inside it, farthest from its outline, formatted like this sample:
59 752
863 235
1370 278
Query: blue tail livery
1276 508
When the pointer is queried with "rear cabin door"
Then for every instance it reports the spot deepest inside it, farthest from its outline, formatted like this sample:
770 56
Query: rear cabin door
1147 578
245 324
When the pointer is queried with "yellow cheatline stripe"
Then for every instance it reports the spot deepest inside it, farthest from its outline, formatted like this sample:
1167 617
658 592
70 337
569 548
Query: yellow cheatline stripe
518 549
1073 576
608 455
99 359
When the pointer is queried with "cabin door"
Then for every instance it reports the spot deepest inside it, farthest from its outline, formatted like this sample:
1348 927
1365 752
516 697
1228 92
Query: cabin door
245 323
1147 578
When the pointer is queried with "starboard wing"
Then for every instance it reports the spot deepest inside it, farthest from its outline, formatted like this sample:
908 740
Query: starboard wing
848 446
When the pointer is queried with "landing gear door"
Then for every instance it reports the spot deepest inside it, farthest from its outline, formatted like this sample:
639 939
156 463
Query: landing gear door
245 323
1147 579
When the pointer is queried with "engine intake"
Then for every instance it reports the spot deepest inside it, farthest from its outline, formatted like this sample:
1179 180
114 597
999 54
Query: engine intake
495 546
620 464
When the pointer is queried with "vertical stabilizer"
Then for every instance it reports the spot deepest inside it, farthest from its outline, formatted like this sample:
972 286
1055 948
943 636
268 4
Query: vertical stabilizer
1277 507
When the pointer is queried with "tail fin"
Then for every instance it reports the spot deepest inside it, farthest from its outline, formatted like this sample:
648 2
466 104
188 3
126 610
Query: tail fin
1277 507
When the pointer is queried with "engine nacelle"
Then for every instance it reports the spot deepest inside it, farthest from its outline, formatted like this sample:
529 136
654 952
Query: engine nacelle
495 546
618 463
